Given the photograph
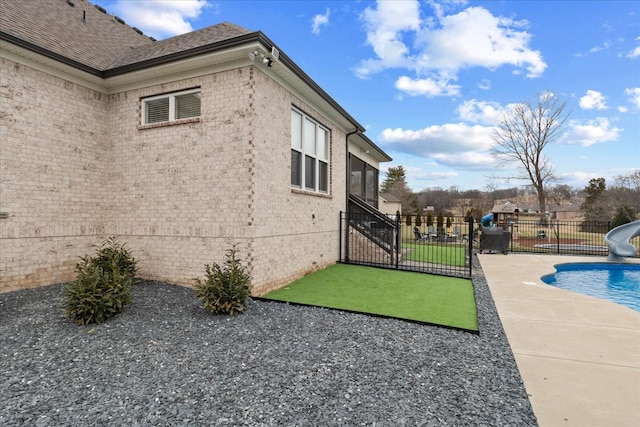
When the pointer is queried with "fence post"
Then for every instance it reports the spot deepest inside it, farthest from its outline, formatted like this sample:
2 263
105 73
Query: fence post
398 241
346 236
340 238
470 249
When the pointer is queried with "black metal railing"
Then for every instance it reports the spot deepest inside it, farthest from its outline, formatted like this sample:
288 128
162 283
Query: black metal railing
561 237
369 237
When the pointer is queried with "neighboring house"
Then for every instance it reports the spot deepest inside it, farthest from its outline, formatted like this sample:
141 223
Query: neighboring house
505 214
181 147
568 212
389 204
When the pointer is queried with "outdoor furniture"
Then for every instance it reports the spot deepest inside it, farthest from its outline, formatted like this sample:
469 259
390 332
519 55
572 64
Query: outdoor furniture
442 235
433 235
455 235
420 237
494 239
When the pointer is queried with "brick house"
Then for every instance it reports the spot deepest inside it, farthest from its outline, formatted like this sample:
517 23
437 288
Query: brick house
179 146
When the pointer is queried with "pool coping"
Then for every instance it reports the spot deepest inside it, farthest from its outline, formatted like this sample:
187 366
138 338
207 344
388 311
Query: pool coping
579 356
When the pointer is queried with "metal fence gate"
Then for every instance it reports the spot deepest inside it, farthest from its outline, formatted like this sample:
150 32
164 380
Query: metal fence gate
370 238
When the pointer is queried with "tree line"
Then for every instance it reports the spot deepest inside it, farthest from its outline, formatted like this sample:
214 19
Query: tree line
618 202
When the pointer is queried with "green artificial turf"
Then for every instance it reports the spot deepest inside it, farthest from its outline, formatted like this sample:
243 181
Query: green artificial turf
440 300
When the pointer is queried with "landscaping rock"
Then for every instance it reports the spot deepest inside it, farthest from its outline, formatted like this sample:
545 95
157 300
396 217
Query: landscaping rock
167 361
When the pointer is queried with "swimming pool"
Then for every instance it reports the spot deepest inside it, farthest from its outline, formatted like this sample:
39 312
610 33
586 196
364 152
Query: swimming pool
619 283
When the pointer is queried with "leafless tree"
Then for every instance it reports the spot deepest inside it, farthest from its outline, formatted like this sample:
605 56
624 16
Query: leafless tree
522 135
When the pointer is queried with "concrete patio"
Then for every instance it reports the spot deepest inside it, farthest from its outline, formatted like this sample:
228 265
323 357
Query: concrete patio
579 356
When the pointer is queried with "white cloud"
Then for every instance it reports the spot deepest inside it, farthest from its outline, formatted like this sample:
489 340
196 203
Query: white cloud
590 133
457 145
635 53
485 112
319 21
485 84
427 87
445 44
634 96
385 27
593 100
160 18
606 45
476 38
467 159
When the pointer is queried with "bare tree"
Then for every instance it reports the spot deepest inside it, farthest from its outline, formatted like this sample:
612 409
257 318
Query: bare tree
522 135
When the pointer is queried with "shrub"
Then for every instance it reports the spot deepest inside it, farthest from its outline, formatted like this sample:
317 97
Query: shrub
112 254
418 220
624 215
226 288
103 286
440 219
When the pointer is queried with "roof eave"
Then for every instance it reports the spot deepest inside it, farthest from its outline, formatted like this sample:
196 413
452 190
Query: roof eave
49 54
255 37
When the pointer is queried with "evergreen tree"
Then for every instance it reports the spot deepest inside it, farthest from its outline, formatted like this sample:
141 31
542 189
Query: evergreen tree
395 183
595 205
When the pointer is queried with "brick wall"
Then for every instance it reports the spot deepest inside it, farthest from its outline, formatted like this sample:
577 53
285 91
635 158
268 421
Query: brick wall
177 195
295 232
52 175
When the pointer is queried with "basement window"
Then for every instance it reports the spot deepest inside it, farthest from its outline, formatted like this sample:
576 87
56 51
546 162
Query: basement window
171 107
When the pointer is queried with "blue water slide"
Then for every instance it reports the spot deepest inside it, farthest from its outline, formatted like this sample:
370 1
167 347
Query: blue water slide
486 220
618 240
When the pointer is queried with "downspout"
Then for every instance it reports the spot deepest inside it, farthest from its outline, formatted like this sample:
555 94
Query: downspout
347 167
347 188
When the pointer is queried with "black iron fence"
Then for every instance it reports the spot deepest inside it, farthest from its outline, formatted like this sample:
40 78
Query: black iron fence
369 238
562 237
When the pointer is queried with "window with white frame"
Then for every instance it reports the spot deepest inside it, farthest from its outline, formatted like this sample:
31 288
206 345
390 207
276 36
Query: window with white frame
309 154
171 107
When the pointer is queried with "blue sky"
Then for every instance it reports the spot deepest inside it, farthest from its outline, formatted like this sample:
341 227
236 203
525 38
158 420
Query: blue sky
430 79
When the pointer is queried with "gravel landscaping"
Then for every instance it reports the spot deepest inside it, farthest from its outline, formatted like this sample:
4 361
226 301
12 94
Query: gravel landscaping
166 361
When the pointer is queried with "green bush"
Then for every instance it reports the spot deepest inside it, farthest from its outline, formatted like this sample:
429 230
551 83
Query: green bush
226 287
103 286
440 219
112 254
624 215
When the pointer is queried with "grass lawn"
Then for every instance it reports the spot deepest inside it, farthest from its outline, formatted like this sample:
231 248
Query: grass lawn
443 253
440 300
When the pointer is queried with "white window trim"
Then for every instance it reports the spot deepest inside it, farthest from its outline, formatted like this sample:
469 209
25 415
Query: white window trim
172 105
317 158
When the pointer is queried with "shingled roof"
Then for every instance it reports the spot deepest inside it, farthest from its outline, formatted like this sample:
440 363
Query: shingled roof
74 29
192 40
86 34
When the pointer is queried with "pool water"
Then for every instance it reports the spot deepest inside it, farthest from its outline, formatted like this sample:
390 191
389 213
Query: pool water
619 283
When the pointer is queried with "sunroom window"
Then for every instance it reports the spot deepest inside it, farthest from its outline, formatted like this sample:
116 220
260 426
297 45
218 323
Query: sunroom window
309 154
170 107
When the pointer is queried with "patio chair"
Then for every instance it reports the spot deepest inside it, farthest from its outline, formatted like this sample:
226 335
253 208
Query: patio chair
420 237
433 235
442 235
456 234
